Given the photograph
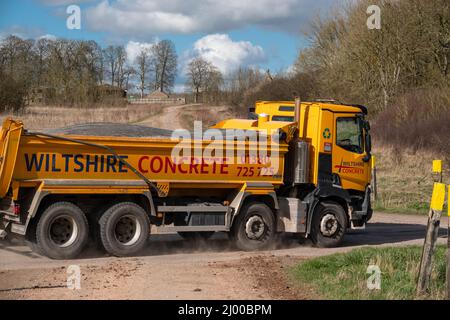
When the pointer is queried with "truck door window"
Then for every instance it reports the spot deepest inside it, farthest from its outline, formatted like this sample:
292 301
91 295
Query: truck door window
349 134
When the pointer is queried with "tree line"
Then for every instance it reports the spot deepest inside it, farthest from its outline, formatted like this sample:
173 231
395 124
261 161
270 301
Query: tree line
71 72
370 66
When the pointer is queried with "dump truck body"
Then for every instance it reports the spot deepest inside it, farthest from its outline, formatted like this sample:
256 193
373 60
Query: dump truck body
251 178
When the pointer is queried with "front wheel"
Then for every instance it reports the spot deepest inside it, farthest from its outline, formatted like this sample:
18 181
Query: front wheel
328 225
254 227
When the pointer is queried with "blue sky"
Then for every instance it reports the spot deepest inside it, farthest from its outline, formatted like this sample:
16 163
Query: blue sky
262 33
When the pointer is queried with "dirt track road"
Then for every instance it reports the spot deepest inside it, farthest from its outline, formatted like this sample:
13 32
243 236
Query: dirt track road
171 268
180 116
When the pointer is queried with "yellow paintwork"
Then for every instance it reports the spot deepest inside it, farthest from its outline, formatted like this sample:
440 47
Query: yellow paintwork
315 118
32 159
438 197
11 133
271 108
66 167
437 166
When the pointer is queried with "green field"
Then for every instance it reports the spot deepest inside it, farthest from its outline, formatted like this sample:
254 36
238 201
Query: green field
343 276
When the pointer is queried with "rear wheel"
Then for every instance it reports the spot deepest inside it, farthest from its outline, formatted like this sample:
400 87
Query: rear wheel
124 229
62 231
254 227
328 225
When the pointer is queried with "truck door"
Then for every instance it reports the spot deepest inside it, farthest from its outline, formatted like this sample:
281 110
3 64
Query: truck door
350 161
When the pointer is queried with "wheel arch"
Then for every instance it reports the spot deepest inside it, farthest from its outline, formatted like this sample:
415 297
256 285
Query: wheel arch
245 197
340 198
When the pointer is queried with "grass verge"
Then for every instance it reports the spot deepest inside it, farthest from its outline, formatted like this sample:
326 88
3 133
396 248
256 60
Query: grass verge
47 117
405 181
343 276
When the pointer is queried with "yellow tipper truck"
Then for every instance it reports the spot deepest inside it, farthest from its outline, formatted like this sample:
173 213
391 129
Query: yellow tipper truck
251 178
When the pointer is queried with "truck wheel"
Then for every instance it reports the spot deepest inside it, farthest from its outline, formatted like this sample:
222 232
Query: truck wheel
62 231
196 236
254 227
124 229
328 225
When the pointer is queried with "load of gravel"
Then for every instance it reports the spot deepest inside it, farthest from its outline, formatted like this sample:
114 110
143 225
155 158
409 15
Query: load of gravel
110 129
107 129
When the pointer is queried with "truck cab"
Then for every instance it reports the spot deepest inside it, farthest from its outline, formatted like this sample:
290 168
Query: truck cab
339 149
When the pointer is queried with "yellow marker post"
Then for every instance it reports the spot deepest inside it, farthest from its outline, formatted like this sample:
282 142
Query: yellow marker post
437 168
374 161
438 197
429 246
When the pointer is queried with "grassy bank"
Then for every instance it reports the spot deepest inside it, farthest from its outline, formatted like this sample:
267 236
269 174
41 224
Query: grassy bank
38 117
343 276
405 180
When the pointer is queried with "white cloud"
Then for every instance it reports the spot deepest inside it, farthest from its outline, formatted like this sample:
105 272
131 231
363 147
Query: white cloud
150 17
226 54
136 20
48 37
133 48
25 33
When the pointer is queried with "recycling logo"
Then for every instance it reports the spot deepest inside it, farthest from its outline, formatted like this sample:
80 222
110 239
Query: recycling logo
327 133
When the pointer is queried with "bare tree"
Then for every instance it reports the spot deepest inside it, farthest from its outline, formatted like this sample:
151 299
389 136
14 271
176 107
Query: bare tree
143 67
164 65
110 58
213 85
121 55
199 73
42 49
128 73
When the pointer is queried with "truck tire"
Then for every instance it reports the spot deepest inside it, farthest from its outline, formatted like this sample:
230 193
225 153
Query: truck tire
329 224
124 229
62 231
196 236
254 227
94 225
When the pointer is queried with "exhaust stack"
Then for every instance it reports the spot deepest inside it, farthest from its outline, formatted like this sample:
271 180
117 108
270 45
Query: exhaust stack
297 117
297 109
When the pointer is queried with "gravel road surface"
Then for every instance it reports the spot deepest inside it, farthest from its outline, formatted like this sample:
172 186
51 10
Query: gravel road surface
172 268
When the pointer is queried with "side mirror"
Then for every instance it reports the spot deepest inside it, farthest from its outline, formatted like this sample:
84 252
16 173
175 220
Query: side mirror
368 144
